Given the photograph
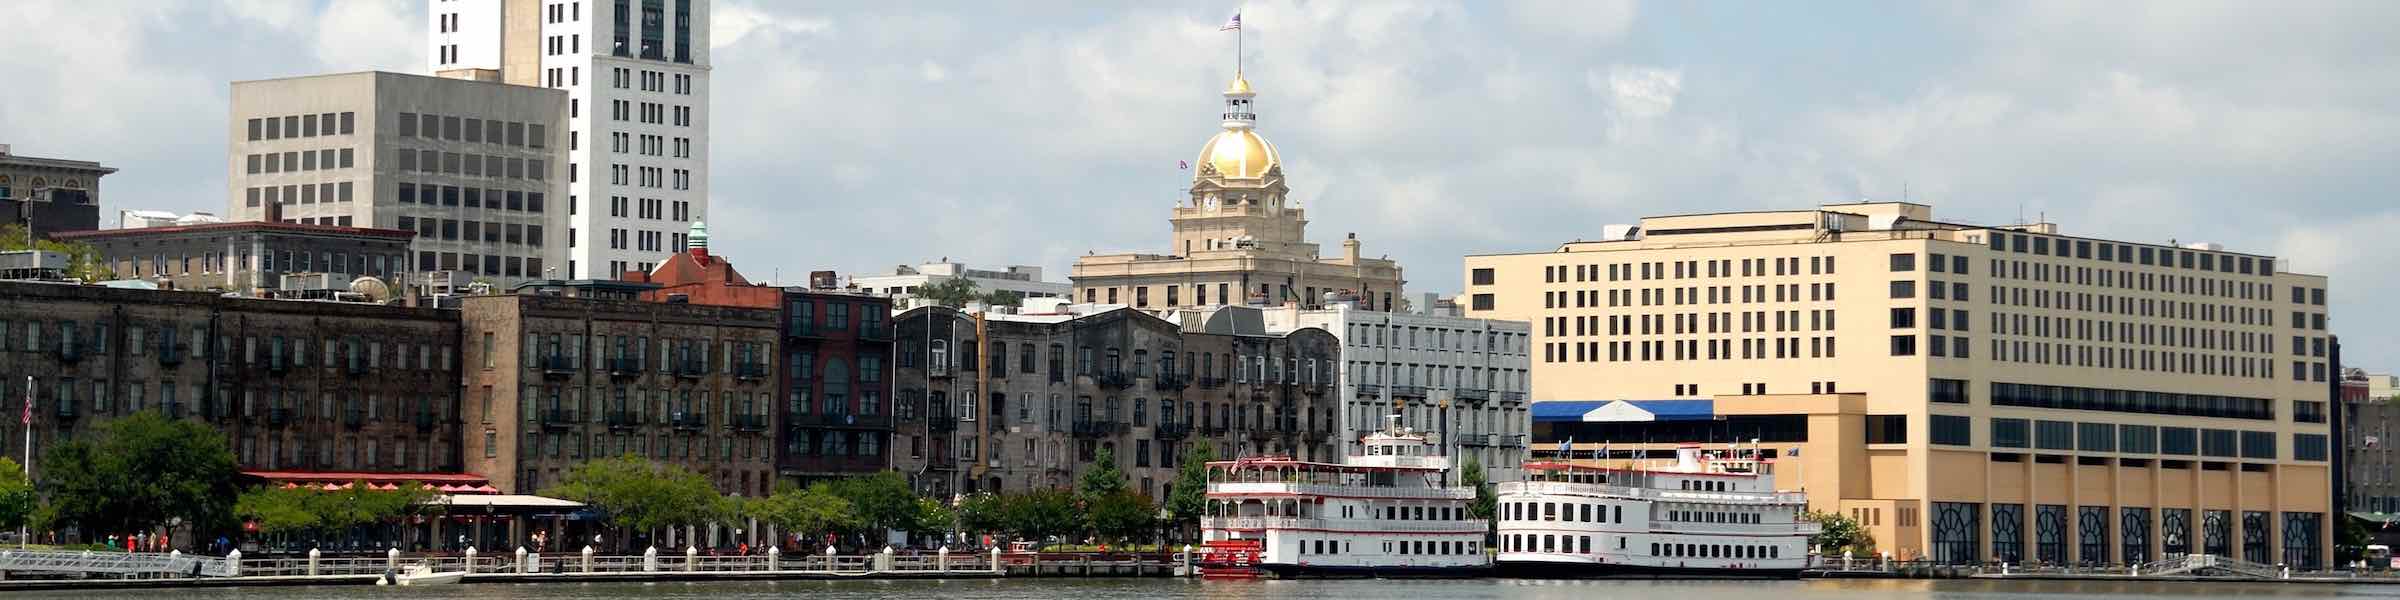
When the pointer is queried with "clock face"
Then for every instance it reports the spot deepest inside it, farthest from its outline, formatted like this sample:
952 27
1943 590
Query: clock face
1212 201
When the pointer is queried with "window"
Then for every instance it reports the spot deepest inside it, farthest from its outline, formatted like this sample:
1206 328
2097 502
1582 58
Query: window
1953 430
1904 345
1904 262
1951 391
1904 289
1887 429
2009 433
1481 277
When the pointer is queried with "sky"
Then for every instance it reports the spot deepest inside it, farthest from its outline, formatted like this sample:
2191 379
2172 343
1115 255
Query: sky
857 136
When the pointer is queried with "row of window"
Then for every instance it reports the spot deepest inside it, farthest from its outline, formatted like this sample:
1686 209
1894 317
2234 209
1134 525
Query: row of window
300 193
429 228
1436 338
2174 258
1682 269
1957 430
1572 512
293 451
483 264
455 128
1141 295
296 161
451 195
301 126
1723 349
470 165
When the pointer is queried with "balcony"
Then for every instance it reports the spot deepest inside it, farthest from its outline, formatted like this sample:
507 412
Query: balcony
691 369
1261 434
1313 388
1171 431
66 410
169 357
425 420
1169 383
750 371
1210 383
1317 435
1471 395
937 369
750 423
278 367
875 333
354 367
805 330
1408 391
1119 380
354 418
173 410
1473 439
1518 397
69 353
688 421
941 424
1508 440
557 367
1371 390
280 417
625 367
559 418
624 419
1098 429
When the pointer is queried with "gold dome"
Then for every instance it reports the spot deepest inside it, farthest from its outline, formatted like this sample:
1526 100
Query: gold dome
1239 154
1239 86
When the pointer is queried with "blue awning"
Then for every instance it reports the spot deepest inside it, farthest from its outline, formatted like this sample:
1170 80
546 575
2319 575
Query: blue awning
1622 411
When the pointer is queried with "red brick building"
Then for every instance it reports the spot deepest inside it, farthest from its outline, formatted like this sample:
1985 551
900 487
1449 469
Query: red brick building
836 417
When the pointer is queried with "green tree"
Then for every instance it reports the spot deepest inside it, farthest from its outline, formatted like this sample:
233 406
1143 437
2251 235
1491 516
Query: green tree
1120 516
954 292
83 261
1485 502
882 501
1004 298
1103 478
932 519
139 472
279 510
806 512
983 513
17 500
636 494
1189 499
1838 533
1040 514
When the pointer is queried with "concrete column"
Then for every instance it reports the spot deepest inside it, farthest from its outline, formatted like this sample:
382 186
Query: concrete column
774 558
691 558
470 559
521 563
650 560
391 560
313 555
587 559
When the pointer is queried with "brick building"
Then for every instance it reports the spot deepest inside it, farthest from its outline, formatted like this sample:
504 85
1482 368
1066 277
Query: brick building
49 194
836 418
294 385
251 255
1005 402
556 376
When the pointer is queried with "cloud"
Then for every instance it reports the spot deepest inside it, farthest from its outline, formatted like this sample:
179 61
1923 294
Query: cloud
858 136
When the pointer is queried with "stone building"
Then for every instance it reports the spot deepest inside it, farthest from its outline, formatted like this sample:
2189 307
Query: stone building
1239 239
1009 402
49 194
556 375
294 385
1975 392
1461 380
250 255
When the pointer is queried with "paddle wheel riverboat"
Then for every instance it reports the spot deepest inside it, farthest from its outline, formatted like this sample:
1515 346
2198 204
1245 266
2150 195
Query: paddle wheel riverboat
1391 512
1700 517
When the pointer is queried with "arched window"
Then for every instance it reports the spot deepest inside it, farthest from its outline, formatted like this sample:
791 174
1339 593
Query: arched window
937 359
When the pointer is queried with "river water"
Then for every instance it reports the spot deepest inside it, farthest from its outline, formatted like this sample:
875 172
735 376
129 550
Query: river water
1162 589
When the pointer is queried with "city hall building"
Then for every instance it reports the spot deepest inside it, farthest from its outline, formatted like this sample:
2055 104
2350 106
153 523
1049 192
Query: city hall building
1970 393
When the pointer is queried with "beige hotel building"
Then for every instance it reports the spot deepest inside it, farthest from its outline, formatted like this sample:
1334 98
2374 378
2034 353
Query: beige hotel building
1969 393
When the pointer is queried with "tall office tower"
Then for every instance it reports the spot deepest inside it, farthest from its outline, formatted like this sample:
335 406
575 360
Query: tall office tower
471 166
636 77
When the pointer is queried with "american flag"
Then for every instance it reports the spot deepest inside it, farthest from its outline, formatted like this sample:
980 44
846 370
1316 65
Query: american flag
1234 24
28 418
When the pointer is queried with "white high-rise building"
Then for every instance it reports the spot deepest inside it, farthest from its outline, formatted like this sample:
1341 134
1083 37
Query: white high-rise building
636 77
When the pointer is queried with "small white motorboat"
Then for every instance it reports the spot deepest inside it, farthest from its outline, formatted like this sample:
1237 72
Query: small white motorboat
424 575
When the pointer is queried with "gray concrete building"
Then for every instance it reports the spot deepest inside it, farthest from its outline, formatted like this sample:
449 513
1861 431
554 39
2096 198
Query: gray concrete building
249 256
49 194
473 167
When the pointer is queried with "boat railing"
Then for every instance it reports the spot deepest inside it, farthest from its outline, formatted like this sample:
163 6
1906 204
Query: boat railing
1598 489
1319 523
1338 490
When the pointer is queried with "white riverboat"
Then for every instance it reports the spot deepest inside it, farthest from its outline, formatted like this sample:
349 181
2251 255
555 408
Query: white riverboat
1388 513
1703 516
